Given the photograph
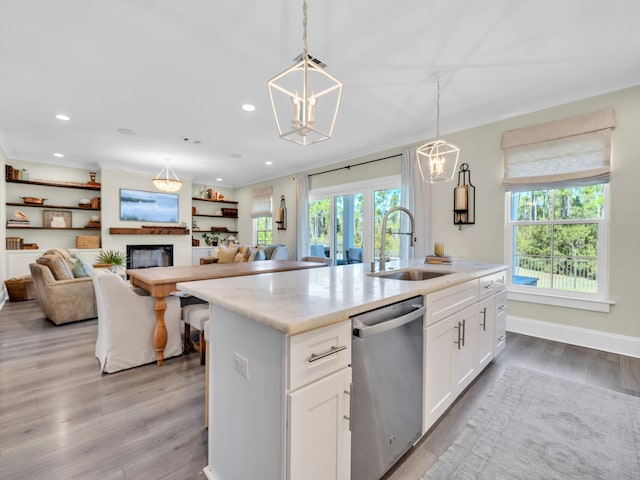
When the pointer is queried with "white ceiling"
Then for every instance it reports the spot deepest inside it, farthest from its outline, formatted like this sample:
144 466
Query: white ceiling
171 69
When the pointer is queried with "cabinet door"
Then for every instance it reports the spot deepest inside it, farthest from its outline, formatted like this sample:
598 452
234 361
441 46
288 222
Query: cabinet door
486 338
319 442
438 374
465 352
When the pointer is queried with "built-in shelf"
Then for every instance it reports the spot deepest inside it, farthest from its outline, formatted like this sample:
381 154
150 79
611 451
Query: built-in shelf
213 216
52 228
14 204
213 201
79 186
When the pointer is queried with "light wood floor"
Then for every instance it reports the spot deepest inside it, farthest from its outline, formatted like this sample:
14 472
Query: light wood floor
60 418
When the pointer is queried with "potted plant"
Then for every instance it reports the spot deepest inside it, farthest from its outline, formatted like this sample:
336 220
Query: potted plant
117 260
211 239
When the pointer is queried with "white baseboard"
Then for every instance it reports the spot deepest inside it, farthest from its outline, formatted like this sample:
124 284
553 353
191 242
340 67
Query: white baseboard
208 473
583 337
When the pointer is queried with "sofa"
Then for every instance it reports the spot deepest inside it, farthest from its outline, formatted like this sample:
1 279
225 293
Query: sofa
63 288
246 253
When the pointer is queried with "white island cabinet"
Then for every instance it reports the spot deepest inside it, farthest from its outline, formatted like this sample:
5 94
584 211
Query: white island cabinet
279 404
280 360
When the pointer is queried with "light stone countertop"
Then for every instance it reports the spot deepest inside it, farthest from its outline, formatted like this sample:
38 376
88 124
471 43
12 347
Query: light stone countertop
298 301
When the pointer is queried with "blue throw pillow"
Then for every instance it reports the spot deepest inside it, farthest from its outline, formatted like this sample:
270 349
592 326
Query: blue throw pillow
80 268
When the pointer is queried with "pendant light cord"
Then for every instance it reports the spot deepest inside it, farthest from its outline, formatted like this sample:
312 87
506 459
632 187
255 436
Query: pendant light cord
438 112
305 51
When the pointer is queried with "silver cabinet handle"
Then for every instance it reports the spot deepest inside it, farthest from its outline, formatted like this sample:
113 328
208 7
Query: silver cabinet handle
501 338
484 319
464 330
490 286
348 392
459 342
317 356
502 307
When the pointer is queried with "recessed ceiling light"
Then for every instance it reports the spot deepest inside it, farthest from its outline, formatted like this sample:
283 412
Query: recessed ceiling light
218 179
268 163
62 116
59 155
126 131
247 107
235 155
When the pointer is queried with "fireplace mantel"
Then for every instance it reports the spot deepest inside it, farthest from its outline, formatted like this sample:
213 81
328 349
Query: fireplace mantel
150 230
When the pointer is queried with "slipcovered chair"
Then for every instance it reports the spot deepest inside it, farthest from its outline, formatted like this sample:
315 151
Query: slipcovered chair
126 321
62 295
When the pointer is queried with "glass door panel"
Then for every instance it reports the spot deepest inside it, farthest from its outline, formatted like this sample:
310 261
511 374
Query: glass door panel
348 228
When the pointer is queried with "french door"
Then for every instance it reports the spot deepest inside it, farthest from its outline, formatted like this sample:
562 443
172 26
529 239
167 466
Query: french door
345 224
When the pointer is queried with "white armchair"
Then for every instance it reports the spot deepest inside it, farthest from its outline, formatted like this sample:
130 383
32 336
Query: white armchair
126 321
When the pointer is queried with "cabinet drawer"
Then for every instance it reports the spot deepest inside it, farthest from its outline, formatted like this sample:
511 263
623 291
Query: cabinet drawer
446 302
501 322
491 284
315 354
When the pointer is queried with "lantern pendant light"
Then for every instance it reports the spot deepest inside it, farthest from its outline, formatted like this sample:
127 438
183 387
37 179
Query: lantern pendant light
305 98
437 160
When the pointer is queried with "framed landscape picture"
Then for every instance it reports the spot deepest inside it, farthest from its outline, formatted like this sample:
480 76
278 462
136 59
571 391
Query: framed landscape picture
140 206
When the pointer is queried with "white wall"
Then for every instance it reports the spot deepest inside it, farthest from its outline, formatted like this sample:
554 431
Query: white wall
112 182
484 241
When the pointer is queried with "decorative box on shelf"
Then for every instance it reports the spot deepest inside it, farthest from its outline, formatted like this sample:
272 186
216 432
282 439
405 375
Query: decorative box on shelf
230 212
88 241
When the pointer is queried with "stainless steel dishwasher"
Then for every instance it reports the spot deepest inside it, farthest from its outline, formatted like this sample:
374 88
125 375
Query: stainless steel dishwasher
387 364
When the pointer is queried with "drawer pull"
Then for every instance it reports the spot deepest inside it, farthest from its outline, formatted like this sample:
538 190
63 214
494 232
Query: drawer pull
317 356
484 319
490 286
502 307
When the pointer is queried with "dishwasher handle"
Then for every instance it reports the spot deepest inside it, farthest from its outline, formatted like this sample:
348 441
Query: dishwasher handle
362 331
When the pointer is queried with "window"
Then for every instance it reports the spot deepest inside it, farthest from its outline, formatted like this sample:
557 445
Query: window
263 230
557 239
557 182
261 212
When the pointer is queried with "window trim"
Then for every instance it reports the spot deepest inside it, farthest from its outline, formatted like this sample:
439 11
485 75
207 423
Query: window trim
599 301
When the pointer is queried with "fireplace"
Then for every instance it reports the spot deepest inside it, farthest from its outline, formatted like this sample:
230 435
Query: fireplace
147 256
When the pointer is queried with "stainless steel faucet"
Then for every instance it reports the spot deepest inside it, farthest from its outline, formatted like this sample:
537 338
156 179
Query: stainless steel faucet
384 232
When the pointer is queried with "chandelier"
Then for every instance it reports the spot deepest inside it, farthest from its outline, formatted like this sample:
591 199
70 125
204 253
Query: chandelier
305 97
437 160
166 183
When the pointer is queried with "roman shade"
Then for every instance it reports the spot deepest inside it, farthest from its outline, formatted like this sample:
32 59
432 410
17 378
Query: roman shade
559 154
261 202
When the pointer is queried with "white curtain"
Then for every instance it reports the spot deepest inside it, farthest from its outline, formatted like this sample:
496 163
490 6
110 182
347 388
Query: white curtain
302 212
572 151
415 196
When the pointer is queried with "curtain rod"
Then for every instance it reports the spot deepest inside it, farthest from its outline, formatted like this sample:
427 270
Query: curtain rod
348 167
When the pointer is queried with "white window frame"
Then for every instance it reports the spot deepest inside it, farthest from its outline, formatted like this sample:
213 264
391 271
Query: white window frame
581 300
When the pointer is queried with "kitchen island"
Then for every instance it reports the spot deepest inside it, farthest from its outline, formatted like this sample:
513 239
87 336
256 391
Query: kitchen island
280 356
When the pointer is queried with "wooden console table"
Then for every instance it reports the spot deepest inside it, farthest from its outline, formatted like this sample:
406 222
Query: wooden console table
161 282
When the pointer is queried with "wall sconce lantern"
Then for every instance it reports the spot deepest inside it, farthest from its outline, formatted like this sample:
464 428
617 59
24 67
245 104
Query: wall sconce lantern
281 215
464 199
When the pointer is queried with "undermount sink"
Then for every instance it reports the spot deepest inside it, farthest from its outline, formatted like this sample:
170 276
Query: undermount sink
412 275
